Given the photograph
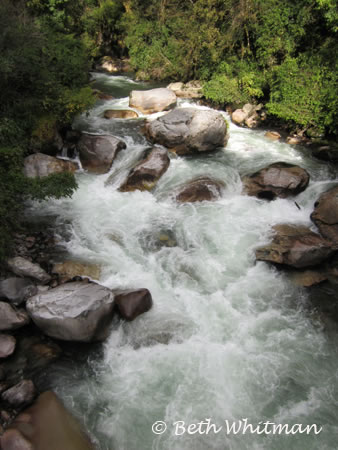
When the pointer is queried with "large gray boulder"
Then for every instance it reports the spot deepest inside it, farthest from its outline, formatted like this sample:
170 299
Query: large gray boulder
97 152
295 246
189 130
25 268
10 318
75 311
325 214
41 165
199 190
153 100
17 290
277 180
146 173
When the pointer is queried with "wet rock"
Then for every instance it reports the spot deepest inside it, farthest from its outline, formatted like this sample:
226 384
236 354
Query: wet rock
46 425
189 130
17 290
102 95
21 394
308 278
326 153
296 140
97 153
131 304
153 100
70 269
192 89
120 114
146 173
277 180
75 311
200 189
272 135
25 268
41 165
325 214
10 318
295 246
7 345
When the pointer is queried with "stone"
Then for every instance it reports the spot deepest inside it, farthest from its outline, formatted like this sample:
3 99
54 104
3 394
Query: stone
326 153
40 165
153 100
189 131
97 152
295 140
192 89
25 268
277 180
102 95
248 116
130 304
120 114
7 345
46 425
20 395
17 290
146 173
70 269
272 135
295 246
199 190
10 318
75 311
325 214
113 65
307 278
239 116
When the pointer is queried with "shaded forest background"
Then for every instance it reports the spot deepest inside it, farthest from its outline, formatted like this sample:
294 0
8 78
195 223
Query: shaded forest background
279 52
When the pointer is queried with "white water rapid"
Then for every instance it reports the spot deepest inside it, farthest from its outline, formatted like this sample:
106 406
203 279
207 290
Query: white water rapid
227 338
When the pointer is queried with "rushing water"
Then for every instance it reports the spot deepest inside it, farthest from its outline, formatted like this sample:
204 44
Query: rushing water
227 338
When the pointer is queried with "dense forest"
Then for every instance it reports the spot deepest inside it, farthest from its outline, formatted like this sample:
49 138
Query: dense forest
277 52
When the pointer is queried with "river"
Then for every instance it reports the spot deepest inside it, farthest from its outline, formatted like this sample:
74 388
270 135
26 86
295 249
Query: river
227 338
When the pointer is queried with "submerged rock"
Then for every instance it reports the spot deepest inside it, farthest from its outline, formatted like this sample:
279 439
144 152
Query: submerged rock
153 100
75 311
146 173
130 304
40 165
70 269
10 318
189 130
200 189
25 268
17 290
325 214
295 246
97 152
120 114
277 180
46 425
21 394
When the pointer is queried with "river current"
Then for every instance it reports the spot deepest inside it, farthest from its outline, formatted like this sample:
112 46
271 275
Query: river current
227 338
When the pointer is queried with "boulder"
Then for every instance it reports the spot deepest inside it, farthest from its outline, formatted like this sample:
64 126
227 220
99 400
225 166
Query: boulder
113 65
307 278
70 269
46 425
97 152
272 135
7 345
40 165
326 153
10 318
199 190
17 290
120 114
75 311
20 395
25 268
146 173
153 100
295 246
325 214
130 304
296 140
189 130
192 89
248 116
277 180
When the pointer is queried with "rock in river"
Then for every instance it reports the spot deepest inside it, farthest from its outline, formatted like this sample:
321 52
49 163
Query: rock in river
120 114
131 304
75 311
16 290
200 189
189 130
153 100
40 165
325 214
25 268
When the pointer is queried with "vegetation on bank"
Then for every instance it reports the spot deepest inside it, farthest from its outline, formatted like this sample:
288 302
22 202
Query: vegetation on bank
279 52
